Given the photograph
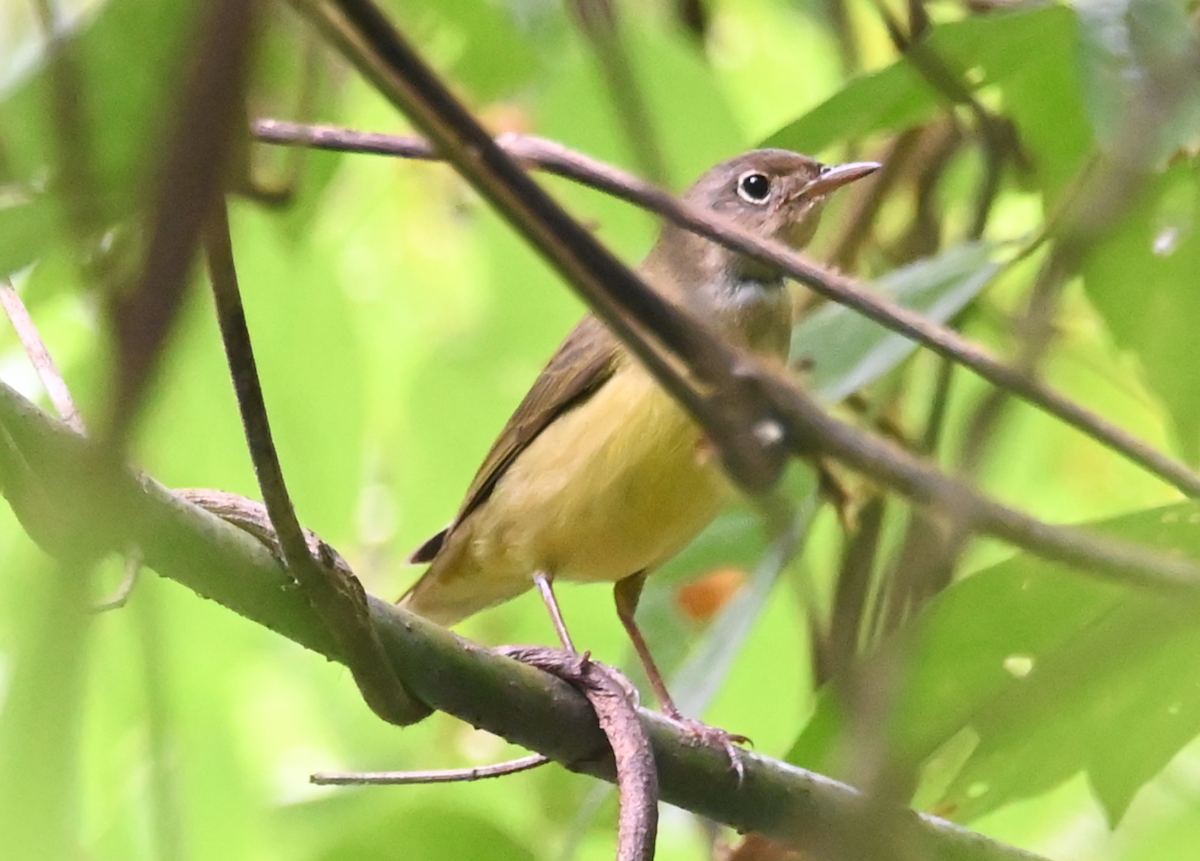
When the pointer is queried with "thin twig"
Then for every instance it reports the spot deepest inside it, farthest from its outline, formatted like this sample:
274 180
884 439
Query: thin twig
119 598
637 775
599 22
443 775
559 160
39 356
335 593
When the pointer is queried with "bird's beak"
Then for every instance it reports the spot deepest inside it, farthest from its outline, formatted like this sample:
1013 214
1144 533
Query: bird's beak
835 177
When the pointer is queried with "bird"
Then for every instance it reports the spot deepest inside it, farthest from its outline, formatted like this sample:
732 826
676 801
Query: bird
599 475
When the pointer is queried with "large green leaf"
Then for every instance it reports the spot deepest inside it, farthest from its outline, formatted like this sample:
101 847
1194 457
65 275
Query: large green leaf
846 351
1026 54
41 720
1139 77
1042 673
1142 278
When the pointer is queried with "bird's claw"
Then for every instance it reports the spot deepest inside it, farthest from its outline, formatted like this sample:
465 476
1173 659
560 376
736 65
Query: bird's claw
699 733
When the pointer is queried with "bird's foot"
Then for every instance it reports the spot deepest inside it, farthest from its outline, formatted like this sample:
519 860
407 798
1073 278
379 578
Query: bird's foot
699 733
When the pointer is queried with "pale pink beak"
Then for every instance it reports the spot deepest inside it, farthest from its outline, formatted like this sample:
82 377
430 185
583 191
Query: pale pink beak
835 177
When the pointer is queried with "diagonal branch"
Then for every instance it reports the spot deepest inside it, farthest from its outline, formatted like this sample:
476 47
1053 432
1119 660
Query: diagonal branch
647 323
502 696
752 413
335 593
557 159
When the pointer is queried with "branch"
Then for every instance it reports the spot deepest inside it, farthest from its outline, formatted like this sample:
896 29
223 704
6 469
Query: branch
754 415
521 704
808 429
189 183
557 159
331 587
650 326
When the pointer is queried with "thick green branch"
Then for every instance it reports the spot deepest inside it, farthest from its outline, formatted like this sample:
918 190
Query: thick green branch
220 562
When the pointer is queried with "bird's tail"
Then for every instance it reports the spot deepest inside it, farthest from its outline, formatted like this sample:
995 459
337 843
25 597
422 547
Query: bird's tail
454 587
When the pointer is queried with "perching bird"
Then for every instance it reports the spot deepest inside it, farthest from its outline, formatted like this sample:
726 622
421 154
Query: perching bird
600 476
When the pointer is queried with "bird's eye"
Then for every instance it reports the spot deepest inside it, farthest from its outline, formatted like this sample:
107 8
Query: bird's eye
754 187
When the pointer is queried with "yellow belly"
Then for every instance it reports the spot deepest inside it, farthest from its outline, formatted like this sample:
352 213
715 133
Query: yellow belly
618 485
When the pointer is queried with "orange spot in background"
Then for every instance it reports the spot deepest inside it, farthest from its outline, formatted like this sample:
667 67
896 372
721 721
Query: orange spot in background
756 848
501 117
704 598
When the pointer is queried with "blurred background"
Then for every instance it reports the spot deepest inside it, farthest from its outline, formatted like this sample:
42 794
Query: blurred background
1039 192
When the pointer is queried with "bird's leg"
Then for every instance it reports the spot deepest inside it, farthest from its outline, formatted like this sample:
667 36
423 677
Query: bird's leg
546 588
627 593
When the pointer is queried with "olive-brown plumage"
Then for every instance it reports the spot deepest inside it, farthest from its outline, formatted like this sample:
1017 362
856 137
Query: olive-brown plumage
599 475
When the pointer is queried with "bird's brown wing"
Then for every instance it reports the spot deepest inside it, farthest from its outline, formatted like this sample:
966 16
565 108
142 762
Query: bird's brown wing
582 364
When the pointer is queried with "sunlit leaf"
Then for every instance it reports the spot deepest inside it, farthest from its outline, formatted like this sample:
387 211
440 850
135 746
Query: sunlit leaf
1026 54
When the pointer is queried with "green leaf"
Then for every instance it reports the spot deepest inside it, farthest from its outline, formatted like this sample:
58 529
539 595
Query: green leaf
40 725
1026 54
846 351
484 46
26 223
1142 279
1050 672
1136 64
122 114
353 826
892 99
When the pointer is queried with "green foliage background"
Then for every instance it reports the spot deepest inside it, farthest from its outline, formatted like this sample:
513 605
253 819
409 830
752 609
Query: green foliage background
397 322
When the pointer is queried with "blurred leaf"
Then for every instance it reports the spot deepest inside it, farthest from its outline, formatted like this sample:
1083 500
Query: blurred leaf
891 99
1026 53
1138 58
26 224
1142 278
899 96
1036 71
1050 672
700 678
293 80
40 724
123 113
351 830
847 351
486 46
692 122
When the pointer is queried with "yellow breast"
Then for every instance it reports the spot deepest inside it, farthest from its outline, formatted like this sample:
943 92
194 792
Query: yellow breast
617 485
